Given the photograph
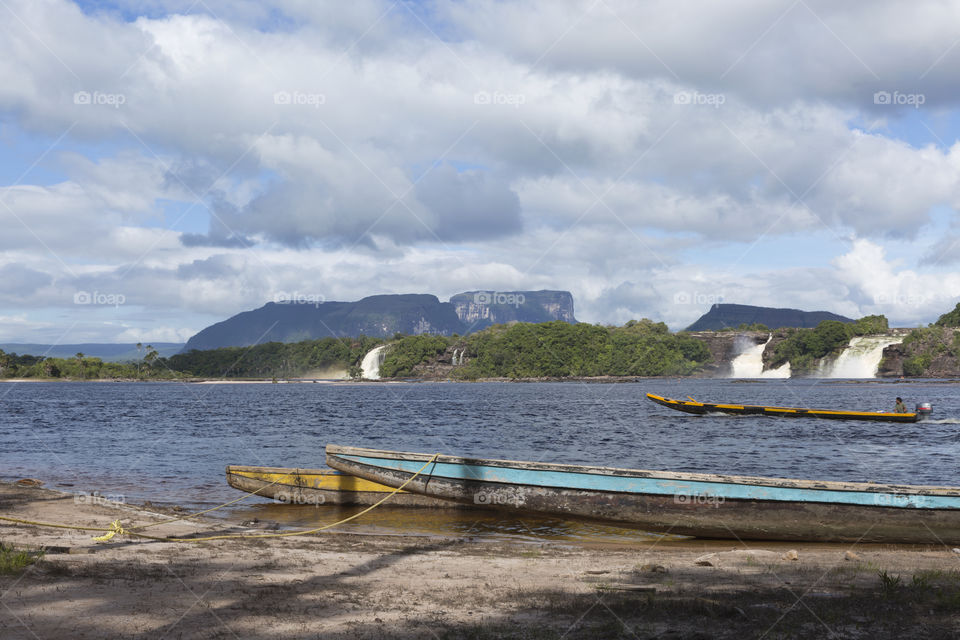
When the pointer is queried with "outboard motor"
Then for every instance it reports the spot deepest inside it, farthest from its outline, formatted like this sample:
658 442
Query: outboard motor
924 409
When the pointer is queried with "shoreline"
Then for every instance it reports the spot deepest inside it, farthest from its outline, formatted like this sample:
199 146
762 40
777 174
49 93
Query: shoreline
413 380
345 585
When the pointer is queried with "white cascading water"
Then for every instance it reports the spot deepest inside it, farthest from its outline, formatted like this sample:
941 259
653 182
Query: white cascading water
372 361
783 371
749 363
860 359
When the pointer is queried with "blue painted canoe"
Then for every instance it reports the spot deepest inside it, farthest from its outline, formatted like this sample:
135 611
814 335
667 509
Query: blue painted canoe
692 504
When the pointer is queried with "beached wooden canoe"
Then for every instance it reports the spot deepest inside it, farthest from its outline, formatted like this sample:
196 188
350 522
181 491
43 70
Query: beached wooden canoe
701 408
321 486
693 504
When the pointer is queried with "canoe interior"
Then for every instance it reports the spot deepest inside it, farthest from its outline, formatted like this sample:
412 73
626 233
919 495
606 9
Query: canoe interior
701 408
321 487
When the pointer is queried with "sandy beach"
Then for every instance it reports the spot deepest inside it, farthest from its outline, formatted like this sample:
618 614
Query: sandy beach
334 585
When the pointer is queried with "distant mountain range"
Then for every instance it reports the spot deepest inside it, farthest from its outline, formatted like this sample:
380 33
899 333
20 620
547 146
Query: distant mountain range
108 352
384 315
726 316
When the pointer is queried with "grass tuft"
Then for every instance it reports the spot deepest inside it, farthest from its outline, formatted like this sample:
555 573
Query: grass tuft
13 561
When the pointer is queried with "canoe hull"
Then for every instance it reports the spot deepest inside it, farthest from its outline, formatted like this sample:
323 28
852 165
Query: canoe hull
321 487
703 408
687 511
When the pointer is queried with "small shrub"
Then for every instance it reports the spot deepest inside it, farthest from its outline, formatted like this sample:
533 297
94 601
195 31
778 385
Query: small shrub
13 561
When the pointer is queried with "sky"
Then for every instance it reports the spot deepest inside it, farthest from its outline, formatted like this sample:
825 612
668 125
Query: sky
167 164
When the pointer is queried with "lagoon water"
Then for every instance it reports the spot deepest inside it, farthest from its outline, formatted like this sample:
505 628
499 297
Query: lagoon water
169 442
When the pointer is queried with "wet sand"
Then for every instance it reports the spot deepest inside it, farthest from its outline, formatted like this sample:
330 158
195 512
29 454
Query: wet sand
348 585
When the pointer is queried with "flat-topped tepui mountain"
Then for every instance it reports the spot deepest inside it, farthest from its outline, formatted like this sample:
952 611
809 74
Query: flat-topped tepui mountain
727 316
480 309
383 316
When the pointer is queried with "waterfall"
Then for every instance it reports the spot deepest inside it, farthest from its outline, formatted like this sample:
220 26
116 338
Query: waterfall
783 371
860 359
372 361
749 363
454 361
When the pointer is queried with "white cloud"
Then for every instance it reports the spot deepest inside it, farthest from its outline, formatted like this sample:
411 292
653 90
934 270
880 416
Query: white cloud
581 146
156 334
879 286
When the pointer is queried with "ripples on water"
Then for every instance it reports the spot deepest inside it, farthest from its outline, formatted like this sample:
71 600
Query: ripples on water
169 442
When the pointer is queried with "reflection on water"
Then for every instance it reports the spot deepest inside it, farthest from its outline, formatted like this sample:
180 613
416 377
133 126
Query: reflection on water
486 524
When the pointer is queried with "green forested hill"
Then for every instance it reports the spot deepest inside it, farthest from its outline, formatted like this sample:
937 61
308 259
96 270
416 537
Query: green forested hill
275 359
557 350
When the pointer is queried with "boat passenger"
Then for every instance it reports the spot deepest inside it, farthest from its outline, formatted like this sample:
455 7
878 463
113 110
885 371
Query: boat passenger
900 407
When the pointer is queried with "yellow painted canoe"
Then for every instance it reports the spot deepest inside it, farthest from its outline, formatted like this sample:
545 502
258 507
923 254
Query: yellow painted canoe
321 486
701 408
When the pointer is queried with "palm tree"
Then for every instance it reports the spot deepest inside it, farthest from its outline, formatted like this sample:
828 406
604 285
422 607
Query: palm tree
151 356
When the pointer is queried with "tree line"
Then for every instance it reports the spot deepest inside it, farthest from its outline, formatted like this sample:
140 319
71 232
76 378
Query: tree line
518 350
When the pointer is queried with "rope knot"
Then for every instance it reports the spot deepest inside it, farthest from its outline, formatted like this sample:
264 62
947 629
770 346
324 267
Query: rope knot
116 530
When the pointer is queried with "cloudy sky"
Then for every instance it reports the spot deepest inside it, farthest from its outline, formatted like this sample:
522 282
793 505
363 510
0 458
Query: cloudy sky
166 164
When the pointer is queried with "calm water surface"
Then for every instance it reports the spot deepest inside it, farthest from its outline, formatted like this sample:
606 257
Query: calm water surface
169 442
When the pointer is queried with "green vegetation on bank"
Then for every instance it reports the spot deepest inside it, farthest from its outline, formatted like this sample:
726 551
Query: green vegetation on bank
409 351
950 318
743 326
557 350
933 350
270 360
276 359
803 348
517 350
923 346
80 367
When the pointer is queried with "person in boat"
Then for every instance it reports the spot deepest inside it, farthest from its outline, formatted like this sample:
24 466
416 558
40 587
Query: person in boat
900 407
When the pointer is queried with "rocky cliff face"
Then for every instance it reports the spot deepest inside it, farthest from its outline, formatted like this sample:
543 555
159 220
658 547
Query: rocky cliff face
382 316
480 309
379 316
723 349
925 353
891 365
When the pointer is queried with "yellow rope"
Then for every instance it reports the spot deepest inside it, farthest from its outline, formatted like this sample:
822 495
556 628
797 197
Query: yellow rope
225 504
116 528
51 524
298 533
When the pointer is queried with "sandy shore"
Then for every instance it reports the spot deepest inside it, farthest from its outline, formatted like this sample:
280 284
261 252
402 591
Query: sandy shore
360 586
